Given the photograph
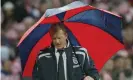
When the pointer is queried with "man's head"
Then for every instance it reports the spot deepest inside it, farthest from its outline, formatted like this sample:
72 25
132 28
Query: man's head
59 35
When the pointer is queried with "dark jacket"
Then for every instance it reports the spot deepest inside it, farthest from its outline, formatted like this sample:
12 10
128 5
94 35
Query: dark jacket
46 67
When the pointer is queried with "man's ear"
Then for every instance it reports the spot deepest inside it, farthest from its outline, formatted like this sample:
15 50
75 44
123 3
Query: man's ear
66 35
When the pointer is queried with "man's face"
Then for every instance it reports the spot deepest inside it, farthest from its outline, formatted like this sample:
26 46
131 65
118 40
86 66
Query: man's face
59 39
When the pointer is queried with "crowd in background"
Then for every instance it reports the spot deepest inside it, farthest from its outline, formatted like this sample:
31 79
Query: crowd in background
19 15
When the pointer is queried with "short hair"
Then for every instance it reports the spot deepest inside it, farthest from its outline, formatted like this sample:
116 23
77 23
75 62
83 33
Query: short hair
56 27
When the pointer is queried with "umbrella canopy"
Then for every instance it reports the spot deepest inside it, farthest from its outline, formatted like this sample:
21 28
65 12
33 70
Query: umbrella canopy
97 30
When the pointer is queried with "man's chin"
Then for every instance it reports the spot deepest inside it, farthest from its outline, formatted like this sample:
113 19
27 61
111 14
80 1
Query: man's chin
59 47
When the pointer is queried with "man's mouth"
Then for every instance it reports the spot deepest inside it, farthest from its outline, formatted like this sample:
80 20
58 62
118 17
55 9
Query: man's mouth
57 44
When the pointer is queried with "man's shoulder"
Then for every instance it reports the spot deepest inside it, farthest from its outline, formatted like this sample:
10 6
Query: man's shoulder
80 48
45 50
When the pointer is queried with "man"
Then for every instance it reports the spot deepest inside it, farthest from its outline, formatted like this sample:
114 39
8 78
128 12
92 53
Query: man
62 61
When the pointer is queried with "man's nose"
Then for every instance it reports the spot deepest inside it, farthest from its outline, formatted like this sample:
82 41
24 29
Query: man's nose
57 41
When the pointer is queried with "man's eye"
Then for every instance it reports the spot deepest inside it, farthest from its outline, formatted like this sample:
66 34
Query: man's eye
59 38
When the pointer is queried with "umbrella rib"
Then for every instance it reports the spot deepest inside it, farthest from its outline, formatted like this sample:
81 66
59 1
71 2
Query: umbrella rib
79 13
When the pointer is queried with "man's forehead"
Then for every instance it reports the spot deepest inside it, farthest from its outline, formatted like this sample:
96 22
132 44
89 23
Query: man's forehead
58 34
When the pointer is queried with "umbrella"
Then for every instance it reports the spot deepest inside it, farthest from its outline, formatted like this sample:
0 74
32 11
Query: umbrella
97 30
